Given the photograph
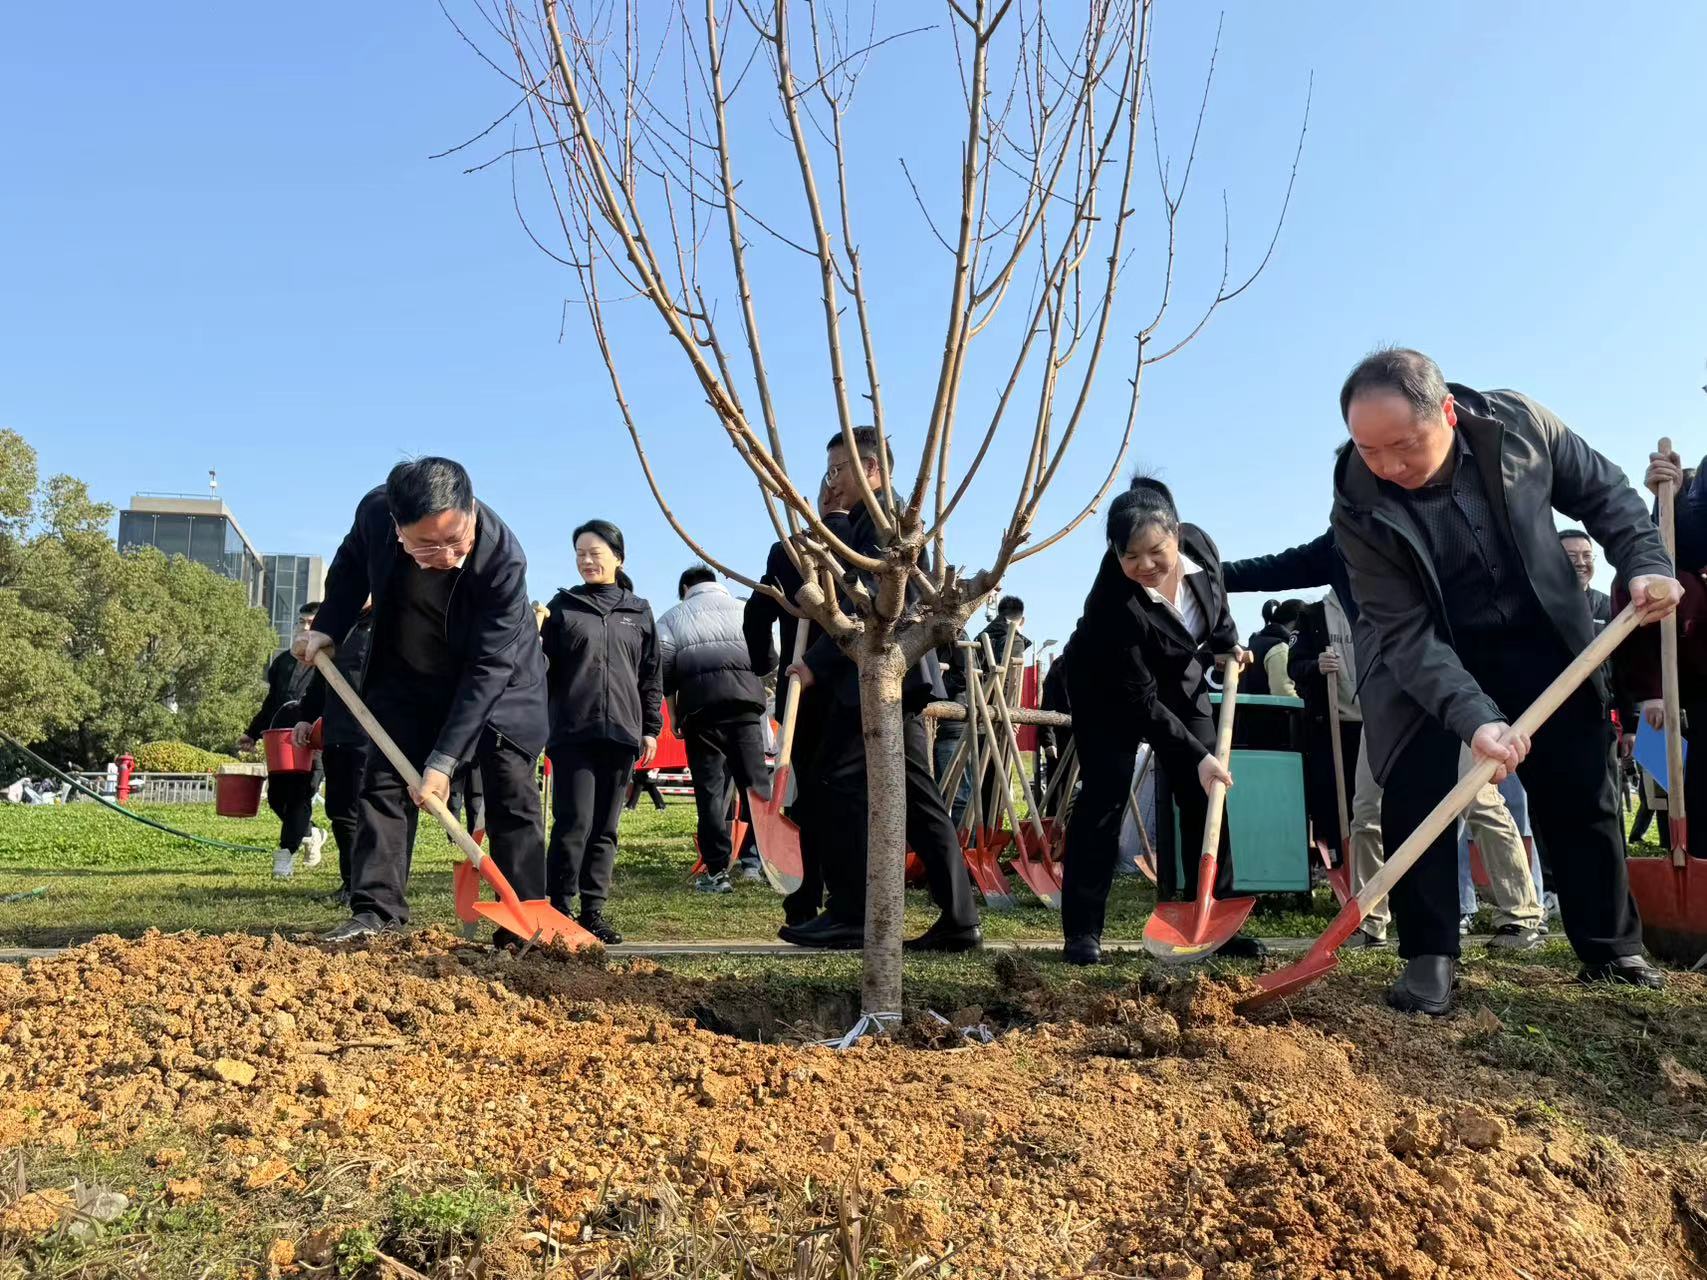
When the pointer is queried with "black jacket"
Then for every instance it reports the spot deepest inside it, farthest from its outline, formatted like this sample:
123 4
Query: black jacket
494 641
341 729
838 674
287 682
604 678
1316 563
1531 465
998 631
1255 679
1131 665
762 612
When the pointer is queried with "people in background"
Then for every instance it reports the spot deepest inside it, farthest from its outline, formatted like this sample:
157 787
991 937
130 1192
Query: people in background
717 705
344 743
642 782
839 766
1317 655
762 613
1443 512
1514 875
454 674
606 697
1138 665
1271 648
289 795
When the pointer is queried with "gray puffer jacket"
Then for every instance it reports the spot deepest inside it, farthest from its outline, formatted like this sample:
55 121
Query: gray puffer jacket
707 666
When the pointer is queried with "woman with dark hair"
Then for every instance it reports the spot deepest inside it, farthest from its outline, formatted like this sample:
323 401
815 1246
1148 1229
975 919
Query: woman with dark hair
606 713
1137 671
1271 650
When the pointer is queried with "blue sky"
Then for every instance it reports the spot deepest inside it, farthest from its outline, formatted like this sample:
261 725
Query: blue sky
223 245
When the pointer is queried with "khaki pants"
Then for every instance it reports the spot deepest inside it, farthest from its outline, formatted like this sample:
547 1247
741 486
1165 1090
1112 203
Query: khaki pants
1507 861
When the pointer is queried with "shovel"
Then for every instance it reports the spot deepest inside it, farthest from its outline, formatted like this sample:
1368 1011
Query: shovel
1031 863
537 922
1668 685
984 841
1322 958
1182 931
777 837
1339 877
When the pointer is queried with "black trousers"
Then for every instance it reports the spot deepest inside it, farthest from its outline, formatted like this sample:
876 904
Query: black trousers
588 783
845 817
642 781
387 817
721 751
1108 755
291 797
1572 808
344 765
807 809
1319 799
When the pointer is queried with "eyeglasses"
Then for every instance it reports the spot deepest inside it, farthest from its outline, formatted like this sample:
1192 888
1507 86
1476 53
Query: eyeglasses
455 546
835 472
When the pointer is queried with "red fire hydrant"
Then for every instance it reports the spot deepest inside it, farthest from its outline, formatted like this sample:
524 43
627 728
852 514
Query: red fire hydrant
127 765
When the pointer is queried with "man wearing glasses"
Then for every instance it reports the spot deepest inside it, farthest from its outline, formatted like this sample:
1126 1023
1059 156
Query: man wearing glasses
455 675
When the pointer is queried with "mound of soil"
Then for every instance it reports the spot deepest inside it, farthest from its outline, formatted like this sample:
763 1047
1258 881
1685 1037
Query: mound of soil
1157 1135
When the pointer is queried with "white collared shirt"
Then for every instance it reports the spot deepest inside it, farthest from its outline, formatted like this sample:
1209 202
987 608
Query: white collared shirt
1184 604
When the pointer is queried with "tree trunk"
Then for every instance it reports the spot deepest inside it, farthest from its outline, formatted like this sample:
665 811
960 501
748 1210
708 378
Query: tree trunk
880 673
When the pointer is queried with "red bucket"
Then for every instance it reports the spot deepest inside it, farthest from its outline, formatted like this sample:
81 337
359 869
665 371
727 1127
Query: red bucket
283 755
237 795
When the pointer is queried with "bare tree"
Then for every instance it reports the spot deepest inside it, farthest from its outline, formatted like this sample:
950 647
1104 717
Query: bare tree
641 187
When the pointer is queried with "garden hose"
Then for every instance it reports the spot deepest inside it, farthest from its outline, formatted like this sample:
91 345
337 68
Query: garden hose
119 808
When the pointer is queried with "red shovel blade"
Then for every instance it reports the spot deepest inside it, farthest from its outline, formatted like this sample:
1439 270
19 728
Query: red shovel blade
465 891
1320 960
1338 878
1032 865
1180 932
536 921
987 874
778 838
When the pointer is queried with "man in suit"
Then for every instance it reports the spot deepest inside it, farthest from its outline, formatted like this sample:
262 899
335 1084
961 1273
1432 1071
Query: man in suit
1443 510
840 765
455 674
760 615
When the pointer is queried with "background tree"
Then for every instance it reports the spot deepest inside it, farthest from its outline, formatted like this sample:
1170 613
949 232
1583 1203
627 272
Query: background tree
105 651
640 176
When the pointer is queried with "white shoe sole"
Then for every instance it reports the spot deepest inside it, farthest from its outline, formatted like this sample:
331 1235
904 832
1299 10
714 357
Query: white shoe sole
316 844
284 863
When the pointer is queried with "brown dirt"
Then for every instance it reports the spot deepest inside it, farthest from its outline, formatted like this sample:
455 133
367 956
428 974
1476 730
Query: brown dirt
1155 1135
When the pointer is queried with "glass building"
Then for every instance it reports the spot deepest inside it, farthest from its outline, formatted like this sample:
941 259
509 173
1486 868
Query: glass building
200 529
292 581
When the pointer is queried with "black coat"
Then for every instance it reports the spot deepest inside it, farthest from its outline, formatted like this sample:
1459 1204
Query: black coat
1255 680
287 682
1316 563
998 631
838 674
494 641
604 675
1531 465
1133 669
762 612
341 728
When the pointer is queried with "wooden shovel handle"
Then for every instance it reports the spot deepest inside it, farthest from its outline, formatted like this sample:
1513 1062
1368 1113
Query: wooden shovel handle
791 712
1339 754
1224 754
1009 745
400 762
1481 773
1675 812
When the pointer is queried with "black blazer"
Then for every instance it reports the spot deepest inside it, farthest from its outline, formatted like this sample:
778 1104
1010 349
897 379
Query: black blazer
1131 663
500 674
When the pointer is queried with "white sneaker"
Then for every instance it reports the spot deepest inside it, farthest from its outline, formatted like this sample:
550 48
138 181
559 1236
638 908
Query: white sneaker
283 863
316 842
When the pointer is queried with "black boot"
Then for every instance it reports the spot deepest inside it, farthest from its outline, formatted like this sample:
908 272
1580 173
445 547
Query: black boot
1630 971
1084 949
1425 986
824 931
945 935
594 922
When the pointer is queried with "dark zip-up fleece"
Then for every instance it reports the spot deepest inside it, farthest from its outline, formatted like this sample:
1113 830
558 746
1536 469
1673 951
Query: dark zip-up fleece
1531 465
499 675
341 729
603 674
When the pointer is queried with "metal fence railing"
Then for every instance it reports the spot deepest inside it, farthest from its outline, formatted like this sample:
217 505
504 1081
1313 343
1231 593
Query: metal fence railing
153 788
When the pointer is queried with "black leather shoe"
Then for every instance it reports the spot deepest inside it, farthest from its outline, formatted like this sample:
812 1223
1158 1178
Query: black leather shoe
824 931
1425 986
1629 971
945 935
1241 948
595 923
1084 949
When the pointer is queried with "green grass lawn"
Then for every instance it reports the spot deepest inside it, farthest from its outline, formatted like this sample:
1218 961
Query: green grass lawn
104 874
101 873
